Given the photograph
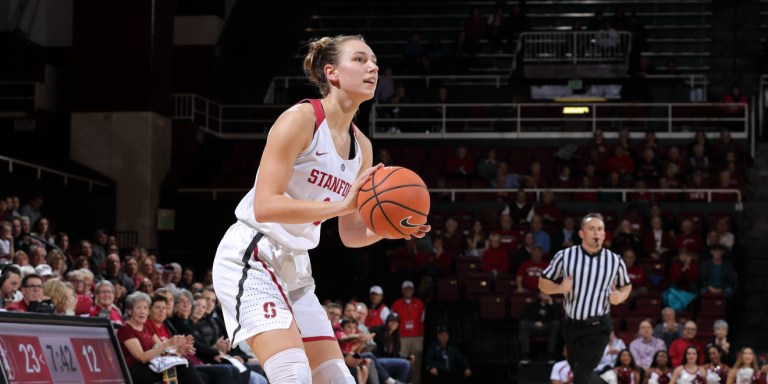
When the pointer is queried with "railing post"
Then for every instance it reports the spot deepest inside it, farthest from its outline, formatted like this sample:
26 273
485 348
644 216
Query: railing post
519 117
444 115
669 117
624 195
575 47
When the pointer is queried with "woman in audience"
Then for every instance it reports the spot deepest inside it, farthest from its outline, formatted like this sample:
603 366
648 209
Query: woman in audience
147 269
62 295
21 258
58 263
62 241
476 239
140 346
715 364
183 323
660 371
689 372
42 230
105 304
745 370
626 370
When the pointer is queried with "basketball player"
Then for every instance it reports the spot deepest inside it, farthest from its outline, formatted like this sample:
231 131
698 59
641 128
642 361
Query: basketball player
312 168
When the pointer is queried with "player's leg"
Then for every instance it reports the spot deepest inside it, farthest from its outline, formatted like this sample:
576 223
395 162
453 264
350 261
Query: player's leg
282 352
320 342
255 306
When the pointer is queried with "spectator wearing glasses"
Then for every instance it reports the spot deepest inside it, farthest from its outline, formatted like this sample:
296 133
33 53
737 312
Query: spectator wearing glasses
679 346
84 300
334 315
105 304
32 289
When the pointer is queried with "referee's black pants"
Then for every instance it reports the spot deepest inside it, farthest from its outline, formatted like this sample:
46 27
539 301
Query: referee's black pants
586 343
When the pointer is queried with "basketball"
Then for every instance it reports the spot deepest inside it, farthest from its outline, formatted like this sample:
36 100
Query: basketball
395 203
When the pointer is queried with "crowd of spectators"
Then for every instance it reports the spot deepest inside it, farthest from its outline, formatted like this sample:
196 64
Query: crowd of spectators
157 310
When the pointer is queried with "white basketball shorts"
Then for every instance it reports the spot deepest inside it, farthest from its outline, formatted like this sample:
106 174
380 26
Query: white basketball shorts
263 285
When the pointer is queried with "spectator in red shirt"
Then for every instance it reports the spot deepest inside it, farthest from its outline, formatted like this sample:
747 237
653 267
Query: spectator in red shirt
105 304
509 237
529 271
657 239
32 289
140 346
411 311
687 239
677 348
495 258
684 272
636 274
459 164
377 311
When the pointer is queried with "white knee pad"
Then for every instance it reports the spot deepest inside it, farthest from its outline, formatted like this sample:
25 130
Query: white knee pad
288 367
333 371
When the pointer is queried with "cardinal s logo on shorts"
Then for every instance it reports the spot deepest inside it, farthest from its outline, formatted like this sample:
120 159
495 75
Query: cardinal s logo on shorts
407 224
269 310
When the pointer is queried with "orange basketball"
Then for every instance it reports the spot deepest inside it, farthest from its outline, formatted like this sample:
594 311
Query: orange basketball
395 203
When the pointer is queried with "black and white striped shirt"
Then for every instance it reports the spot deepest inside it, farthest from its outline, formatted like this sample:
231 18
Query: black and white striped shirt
593 275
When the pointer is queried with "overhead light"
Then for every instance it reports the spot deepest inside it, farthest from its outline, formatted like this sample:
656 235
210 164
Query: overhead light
575 110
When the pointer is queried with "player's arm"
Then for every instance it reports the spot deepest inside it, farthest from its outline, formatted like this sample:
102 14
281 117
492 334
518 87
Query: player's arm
289 136
352 230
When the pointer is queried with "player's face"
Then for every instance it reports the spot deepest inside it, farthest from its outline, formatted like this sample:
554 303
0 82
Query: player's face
748 356
593 232
357 70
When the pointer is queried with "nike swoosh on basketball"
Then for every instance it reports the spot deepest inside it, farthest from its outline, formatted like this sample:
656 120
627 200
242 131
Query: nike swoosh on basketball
405 223
318 153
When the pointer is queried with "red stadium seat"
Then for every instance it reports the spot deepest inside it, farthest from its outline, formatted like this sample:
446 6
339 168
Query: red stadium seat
448 289
492 307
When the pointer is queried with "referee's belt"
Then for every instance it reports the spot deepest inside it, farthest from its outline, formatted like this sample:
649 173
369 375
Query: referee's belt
594 320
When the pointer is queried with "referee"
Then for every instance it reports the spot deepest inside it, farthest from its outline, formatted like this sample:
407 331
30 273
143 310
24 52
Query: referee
590 278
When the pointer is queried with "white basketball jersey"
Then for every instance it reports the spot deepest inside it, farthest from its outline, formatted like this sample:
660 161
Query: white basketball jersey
319 174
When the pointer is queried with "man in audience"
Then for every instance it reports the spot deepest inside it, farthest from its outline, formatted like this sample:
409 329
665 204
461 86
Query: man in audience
669 329
411 311
32 289
444 362
114 273
540 318
645 346
539 236
519 209
36 254
44 271
378 311
677 349
717 275
529 271
11 279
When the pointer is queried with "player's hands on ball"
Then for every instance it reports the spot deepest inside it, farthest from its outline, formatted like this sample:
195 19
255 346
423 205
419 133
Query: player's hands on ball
615 296
350 201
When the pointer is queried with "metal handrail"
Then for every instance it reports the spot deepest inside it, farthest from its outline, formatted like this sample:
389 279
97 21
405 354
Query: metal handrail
538 191
40 169
214 118
286 81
